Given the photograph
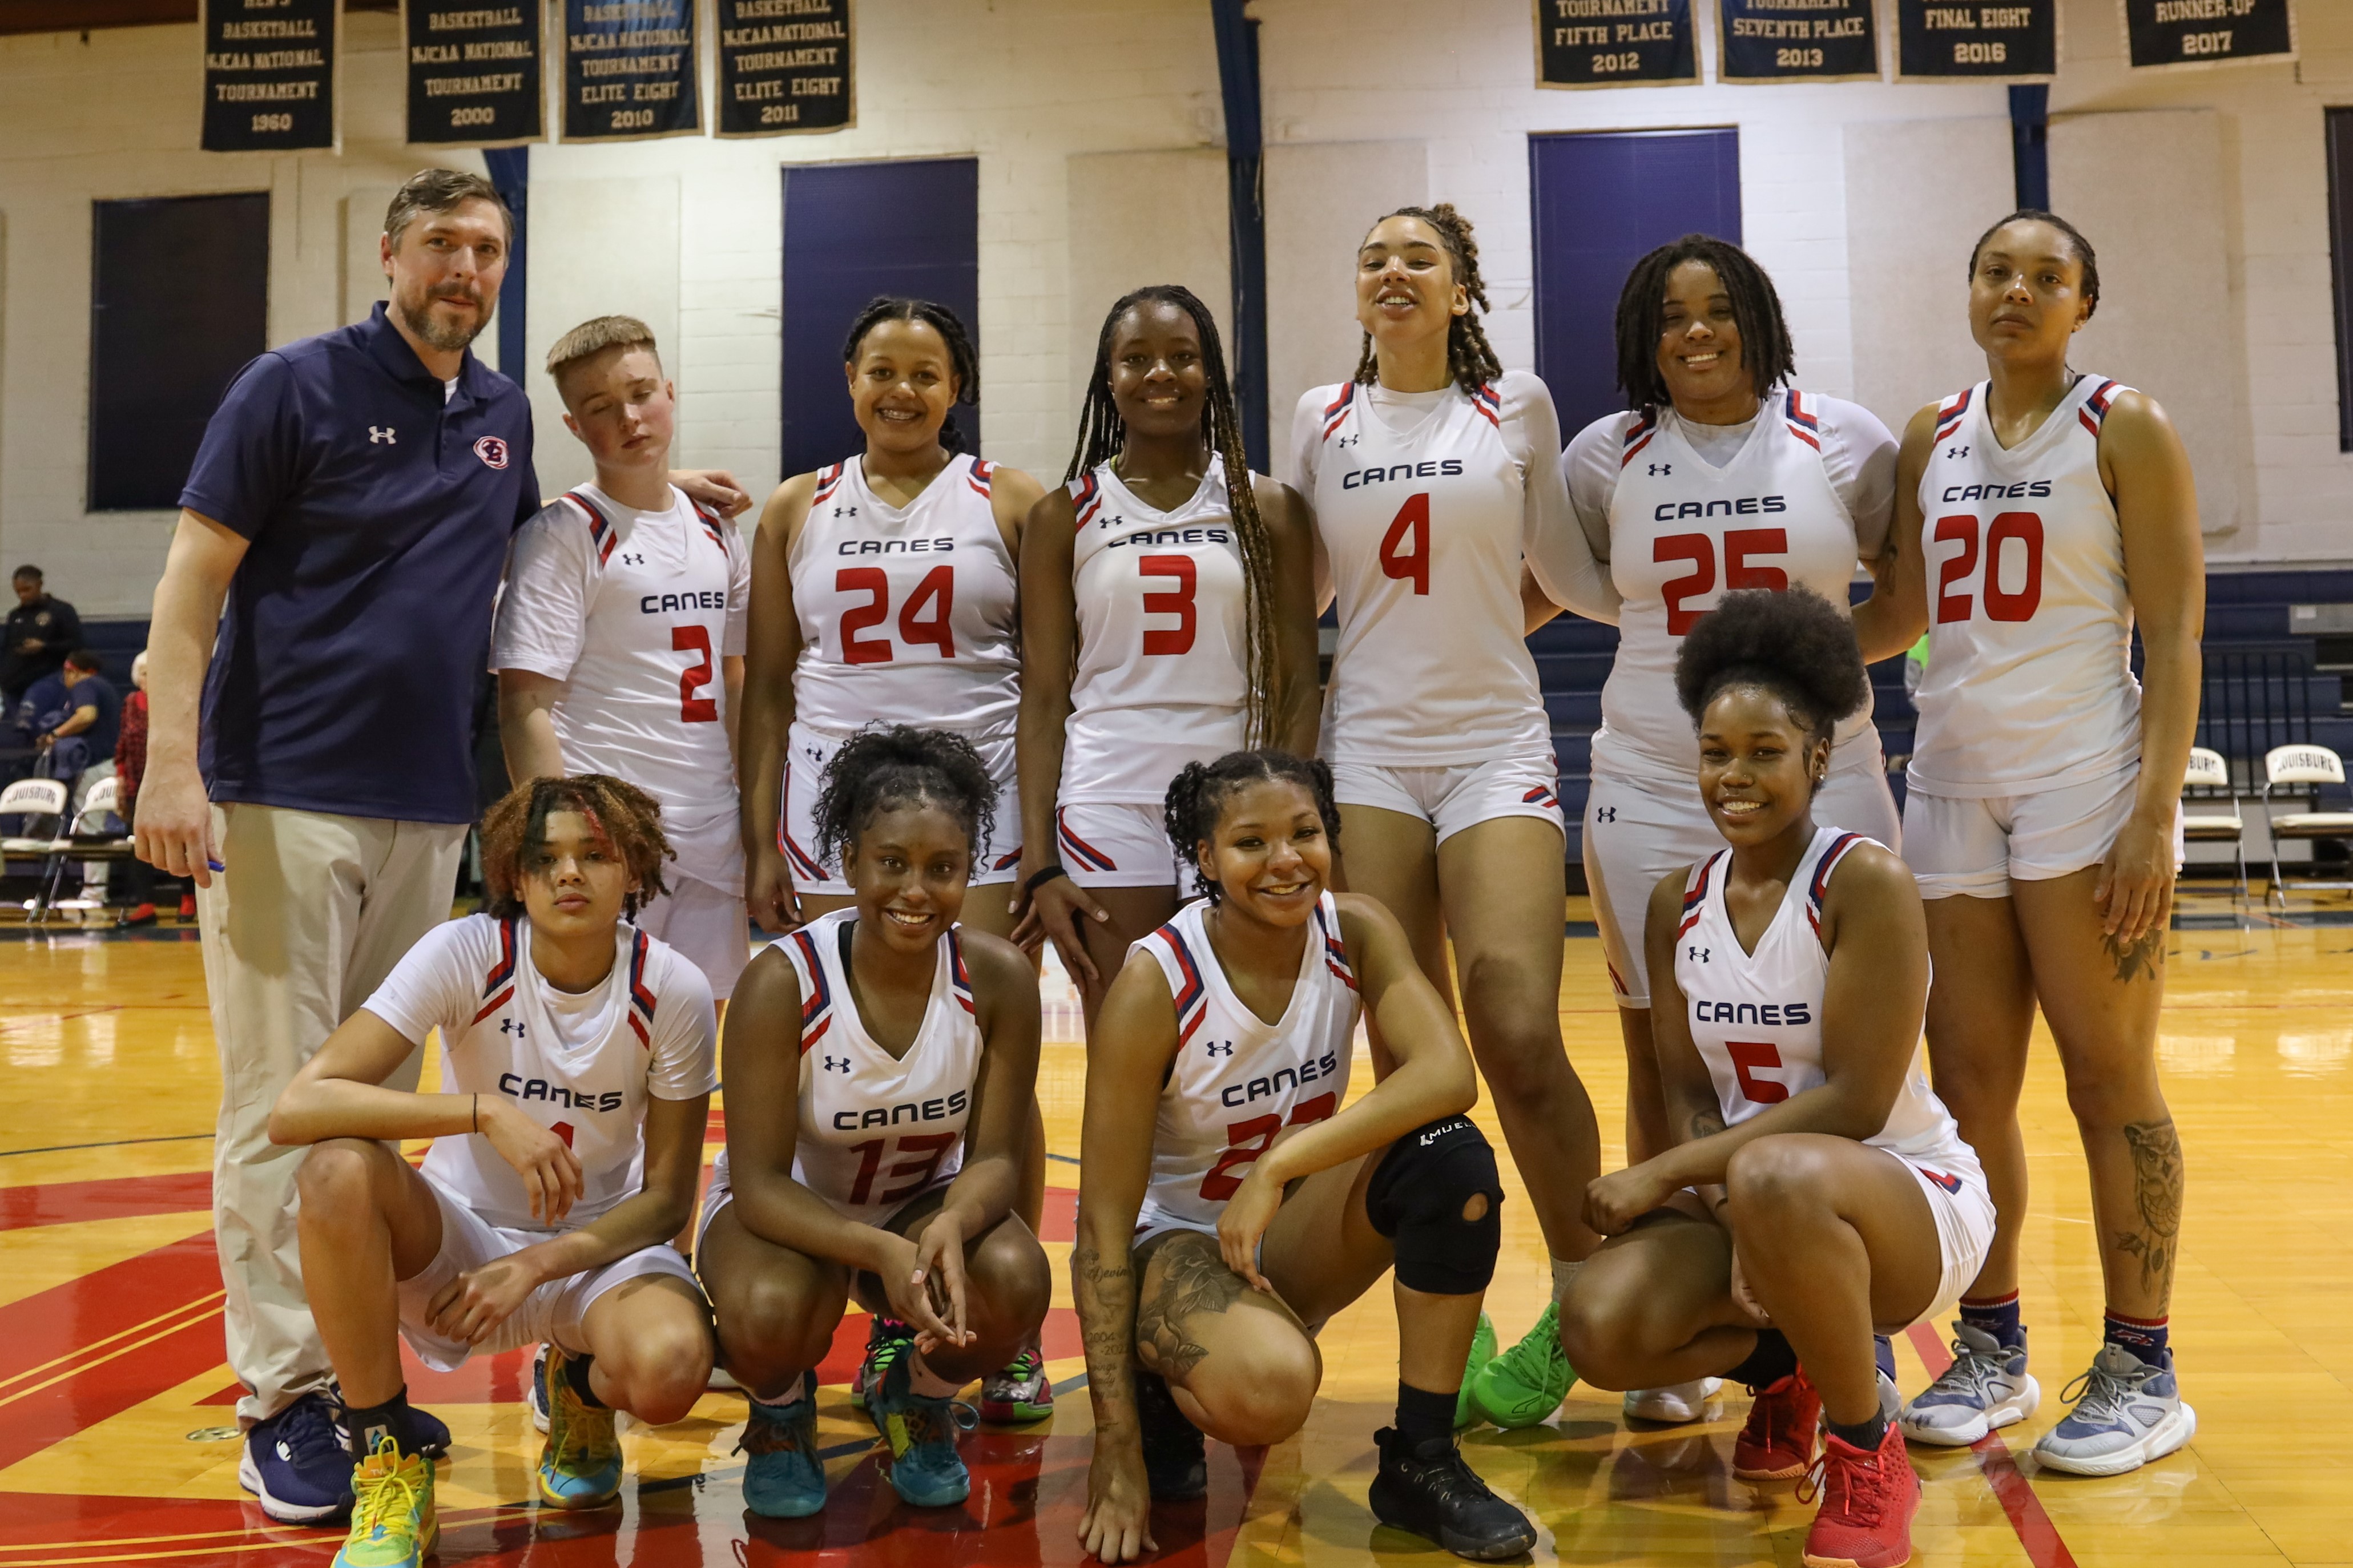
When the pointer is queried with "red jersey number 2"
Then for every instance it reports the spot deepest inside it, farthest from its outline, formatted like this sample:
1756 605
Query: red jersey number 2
1246 1141
1405 548
692 709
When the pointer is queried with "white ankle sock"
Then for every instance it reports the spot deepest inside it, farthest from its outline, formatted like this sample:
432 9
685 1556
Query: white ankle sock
1564 1275
925 1383
791 1396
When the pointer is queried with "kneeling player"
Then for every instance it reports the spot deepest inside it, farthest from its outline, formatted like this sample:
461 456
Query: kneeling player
573 1045
1215 1075
881 1064
1818 1189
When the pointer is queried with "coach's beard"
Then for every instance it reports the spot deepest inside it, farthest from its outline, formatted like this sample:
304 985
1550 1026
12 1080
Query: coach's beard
436 332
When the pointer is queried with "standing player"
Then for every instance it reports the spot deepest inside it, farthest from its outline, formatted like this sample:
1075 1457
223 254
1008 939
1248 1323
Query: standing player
882 1065
619 643
2052 510
1815 1188
575 1046
1168 616
1432 474
1720 476
884 591
1212 1243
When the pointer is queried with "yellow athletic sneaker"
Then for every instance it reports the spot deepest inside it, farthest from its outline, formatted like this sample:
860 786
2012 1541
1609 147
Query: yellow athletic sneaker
393 1523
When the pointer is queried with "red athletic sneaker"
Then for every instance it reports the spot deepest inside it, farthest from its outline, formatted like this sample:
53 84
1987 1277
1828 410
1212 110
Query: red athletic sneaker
1777 1442
1868 1501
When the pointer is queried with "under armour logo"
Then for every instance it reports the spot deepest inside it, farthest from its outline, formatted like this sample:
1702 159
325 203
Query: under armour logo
845 511
1697 954
1605 813
1956 451
1215 1049
1350 439
509 1026
837 1064
384 434
633 560
1658 468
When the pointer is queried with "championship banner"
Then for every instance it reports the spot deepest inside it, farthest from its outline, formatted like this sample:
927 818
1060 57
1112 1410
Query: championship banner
1984 40
784 67
473 72
630 70
1615 43
2208 32
269 75
1798 40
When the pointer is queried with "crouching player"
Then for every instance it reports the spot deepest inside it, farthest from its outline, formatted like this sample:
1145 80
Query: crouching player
1818 1189
572 1045
881 1068
1230 1206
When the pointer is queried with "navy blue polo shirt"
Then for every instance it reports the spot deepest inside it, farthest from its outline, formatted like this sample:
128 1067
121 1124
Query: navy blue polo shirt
359 621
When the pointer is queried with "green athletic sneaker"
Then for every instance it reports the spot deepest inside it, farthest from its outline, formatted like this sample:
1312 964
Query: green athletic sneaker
392 1522
1526 1384
1482 1350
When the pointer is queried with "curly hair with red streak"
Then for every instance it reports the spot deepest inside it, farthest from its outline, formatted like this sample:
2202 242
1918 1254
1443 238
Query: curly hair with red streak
624 816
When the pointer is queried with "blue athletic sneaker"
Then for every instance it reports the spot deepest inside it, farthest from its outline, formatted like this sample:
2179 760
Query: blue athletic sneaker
2128 1412
921 1434
783 1477
581 1465
298 1464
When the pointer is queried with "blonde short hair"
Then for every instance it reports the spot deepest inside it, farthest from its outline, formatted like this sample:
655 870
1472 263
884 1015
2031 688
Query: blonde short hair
594 337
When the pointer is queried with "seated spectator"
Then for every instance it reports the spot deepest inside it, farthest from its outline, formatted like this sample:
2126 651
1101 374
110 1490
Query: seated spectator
41 632
130 762
72 718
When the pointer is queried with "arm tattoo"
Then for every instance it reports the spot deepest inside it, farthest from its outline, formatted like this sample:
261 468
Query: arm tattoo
1104 1291
1193 1278
1705 1124
2145 956
2157 1194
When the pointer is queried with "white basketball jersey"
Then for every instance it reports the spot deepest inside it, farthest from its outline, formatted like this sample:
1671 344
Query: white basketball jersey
1756 1017
877 1130
1422 501
2030 683
1237 1080
580 1065
1683 534
1162 638
633 611
908 614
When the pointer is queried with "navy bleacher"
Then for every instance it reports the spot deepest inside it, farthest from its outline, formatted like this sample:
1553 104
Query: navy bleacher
2251 702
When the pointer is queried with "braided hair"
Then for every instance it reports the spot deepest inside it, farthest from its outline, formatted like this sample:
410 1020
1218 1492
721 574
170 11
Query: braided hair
878 770
1102 435
2084 256
963 360
1198 794
625 817
1470 357
1792 642
1766 351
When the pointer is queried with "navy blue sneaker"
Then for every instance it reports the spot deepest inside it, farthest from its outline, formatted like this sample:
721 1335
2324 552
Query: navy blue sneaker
298 1464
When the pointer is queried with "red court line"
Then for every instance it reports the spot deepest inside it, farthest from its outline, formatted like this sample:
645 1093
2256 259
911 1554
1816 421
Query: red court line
114 1197
2035 1532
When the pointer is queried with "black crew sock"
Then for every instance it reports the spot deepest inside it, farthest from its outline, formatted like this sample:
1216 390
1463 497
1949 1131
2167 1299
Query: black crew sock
576 1372
1422 1416
1769 1363
1864 1435
367 1426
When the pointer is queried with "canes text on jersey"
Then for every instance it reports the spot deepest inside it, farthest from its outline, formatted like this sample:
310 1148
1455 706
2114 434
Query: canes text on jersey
1235 1094
913 1111
522 1088
1427 469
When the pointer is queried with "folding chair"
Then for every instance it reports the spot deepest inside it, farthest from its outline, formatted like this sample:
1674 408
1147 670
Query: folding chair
2307 767
34 799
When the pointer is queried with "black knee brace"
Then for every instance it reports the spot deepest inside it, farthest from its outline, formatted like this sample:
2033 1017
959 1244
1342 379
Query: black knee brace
1417 1199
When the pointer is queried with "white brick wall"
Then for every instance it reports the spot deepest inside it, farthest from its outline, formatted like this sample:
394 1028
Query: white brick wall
1026 85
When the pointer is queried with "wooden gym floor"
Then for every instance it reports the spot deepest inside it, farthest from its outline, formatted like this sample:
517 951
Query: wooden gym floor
117 1440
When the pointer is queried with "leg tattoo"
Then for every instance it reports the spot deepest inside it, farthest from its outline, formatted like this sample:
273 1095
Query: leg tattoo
1192 1279
2156 1191
2145 956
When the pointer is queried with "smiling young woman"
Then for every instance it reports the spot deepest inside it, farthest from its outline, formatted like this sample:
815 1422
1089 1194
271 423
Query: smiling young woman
1720 475
2042 816
1444 532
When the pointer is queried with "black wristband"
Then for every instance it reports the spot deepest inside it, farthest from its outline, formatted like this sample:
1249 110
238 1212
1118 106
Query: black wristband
1042 876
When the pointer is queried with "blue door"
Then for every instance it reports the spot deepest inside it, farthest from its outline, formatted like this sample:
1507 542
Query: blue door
853 231
1601 200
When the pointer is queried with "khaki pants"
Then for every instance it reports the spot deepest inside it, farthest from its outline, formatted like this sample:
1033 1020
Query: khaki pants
311 915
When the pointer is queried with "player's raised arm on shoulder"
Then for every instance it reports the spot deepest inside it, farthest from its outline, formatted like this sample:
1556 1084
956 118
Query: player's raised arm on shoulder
1895 615
1134 1042
772 648
1293 616
1005 988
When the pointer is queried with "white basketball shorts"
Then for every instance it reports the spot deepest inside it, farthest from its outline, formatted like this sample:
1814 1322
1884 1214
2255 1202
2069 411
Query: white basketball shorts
711 928
1975 847
1462 795
1119 844
809 749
